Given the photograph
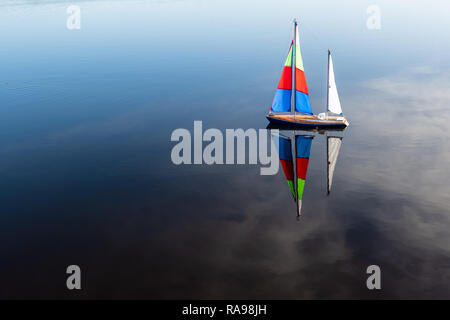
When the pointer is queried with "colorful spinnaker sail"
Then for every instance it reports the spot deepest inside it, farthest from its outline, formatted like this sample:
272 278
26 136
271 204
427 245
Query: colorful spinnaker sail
282 99
302 103
303 148
285 154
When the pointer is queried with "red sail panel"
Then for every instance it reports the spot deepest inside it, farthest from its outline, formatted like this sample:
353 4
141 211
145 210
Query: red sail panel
285 80
302 167
288 169
300 81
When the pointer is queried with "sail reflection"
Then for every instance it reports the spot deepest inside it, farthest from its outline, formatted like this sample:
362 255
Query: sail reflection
333 146
296 144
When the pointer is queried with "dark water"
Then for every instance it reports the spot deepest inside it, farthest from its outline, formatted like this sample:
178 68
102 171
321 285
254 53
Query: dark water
86 176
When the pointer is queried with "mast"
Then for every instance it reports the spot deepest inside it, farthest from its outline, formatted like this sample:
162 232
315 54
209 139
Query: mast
328 80
301 90
293 67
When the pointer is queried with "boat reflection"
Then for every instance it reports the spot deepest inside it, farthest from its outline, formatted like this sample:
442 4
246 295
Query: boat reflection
294 147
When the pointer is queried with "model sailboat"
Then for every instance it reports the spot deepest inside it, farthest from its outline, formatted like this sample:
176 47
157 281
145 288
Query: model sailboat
299 113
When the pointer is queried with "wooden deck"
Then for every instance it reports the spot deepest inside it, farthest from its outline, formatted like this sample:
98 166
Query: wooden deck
309 120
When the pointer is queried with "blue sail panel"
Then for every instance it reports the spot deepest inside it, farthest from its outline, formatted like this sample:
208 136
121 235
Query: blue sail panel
282 101
302 103
284 149
303 146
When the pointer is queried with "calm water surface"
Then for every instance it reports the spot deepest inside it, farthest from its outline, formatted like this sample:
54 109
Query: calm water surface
86 176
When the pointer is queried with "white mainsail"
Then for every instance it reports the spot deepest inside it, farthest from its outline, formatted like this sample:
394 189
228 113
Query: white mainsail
333 146
334 105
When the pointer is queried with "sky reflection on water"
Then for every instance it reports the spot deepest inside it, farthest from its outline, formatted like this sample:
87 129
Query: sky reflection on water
86 176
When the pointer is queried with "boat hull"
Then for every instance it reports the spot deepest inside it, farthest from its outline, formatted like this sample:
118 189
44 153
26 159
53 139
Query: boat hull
309 121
